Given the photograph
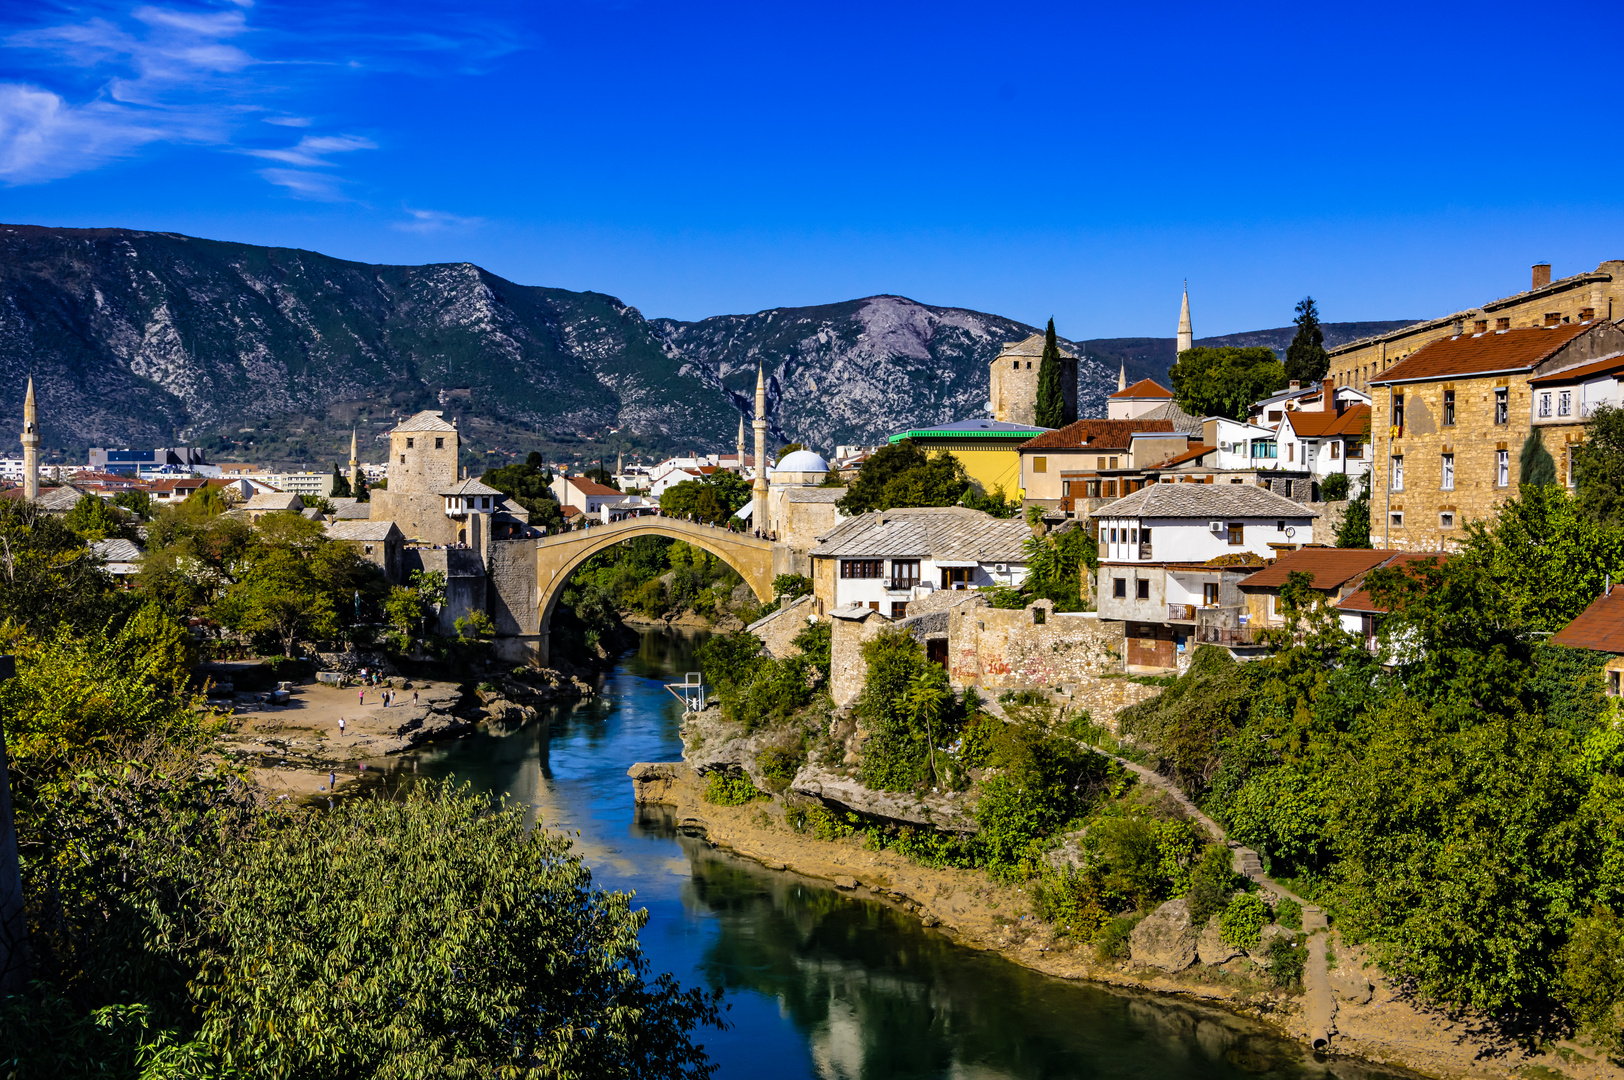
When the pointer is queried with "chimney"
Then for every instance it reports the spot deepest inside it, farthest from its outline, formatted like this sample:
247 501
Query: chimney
1296 384
1329 404
1542 275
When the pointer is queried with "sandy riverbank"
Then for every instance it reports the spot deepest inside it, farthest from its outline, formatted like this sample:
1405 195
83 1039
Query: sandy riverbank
1388 1029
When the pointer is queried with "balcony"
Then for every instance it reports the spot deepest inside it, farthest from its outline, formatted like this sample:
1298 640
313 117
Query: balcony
1181 613
1215 634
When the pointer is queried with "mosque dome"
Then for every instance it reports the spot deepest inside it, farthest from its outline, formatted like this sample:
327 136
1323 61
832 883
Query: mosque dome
802 461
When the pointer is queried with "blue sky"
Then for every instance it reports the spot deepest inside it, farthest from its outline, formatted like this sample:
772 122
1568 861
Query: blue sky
1395 160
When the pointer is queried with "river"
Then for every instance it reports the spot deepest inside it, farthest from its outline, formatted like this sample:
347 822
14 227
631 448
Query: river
821 984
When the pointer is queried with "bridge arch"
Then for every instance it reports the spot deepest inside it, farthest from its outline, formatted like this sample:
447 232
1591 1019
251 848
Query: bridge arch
557 557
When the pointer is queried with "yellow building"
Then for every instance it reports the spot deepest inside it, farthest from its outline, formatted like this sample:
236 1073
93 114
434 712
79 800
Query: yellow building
1596 296
988 449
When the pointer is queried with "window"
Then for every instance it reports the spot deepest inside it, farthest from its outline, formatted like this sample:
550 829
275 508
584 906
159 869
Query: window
410 443
1014 365
1133 536
486 501
1291 451
1545 403
1612 682
1279 526
1101 463
1398 415
1209 594
899 609
1397 518
1397 480
904 573
956 577
1110 489
1040 464
1144 588
403 459
1144 537
369 549
1564 403
1336 449
1502 405
1119 588
1502 468
1237 534
873 605
439 443
1446 519
1113 463
861 568
1448 482
1274 416
1039 616
1449 408
1065 489
1113 536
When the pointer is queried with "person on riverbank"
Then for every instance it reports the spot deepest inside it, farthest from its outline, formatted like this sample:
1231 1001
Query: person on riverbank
361 697
414 699
340 727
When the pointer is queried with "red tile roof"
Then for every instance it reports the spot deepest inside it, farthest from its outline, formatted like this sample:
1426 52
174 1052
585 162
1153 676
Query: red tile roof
1144 388
1192 453
1599 627
1361 601
590 487
1480 354
1094 435
1331 568
1354 421
1583 371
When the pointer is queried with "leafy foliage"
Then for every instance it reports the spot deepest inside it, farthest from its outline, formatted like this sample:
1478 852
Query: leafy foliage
93 518
1051 398
1354 531
1306 358
527 484
1598 466
902 474
1243 920
1534 463
1225 381
1335 487
715 498
724 788
755 690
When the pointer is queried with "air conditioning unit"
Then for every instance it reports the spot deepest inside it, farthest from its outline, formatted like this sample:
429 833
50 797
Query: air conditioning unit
1001 568
1216 526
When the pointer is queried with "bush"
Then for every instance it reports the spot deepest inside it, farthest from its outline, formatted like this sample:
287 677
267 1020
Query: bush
792 585
1070 899
1243 920
779 765
1211 884
731 789
1287 956
1112 941
822 822
1335 487
1289 913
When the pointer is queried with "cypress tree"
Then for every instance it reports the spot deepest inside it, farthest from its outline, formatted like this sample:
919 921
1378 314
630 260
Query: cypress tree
1306 358
1535 464
361 493
341 486
1051 403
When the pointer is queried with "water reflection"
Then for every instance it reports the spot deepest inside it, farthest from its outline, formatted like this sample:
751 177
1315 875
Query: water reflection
821 984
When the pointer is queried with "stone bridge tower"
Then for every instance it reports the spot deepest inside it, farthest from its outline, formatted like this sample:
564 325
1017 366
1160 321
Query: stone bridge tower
423 453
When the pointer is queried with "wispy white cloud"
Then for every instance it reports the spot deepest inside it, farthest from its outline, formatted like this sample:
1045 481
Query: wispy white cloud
428 221
312 150
303 184
289 121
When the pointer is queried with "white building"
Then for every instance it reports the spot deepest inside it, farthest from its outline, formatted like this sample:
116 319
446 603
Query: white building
1169 551
583 494
884 559
1574 395
1322 443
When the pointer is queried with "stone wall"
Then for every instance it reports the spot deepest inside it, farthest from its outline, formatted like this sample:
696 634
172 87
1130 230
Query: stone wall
1011 649
848 671
465 580
782 627
511 571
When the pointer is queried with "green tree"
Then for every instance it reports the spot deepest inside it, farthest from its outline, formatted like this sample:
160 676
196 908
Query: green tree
1598 466
138 503
526 484
341 485
360 490
1354 531
902 474
1535 464
1306 358
1225 381
278 602
47 575
1336 486
1051 401
93 518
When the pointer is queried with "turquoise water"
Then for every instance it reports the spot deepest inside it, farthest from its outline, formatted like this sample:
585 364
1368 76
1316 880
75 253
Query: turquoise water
820 984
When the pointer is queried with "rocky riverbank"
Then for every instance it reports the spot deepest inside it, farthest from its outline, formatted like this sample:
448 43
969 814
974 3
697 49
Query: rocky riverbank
1375 1020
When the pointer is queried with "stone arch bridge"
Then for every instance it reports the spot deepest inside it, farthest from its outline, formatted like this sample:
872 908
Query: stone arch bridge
558 556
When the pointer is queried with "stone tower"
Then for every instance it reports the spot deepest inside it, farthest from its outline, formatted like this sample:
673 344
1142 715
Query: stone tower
1012 381
30 444
422 467
758 490
1122 376
355 466
740 446
1186 338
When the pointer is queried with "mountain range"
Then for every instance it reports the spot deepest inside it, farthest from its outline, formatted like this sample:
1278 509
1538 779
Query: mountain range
274 354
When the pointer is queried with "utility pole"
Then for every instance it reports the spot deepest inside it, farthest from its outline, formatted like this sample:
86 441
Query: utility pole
13 930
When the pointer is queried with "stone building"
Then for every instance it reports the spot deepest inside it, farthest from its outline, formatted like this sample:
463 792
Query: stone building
1074 467
378 542
1597 296
422 463
1013 381
1451 419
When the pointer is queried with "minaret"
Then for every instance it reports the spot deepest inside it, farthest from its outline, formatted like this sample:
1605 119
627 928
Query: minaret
740 446
1122 376
30 444
355 466
758 490
1186 338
